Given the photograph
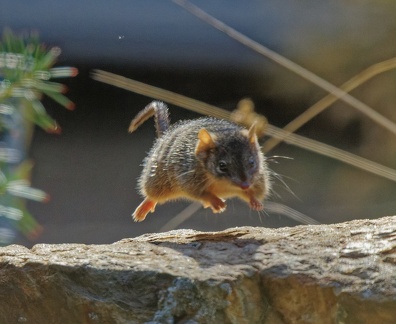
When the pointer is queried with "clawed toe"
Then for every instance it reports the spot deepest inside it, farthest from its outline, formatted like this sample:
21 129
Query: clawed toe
256 205
216 204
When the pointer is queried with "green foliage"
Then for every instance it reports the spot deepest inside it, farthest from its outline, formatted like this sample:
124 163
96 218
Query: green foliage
26 66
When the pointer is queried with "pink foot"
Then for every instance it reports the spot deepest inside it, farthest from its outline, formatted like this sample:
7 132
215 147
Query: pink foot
216 204
143 209
255 204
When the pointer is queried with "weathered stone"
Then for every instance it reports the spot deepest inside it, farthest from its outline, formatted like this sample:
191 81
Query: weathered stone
343 273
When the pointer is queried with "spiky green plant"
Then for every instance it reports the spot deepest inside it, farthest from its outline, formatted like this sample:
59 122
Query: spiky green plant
26 66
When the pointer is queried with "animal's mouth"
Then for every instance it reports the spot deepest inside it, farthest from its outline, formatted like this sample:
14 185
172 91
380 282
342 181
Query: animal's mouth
244 185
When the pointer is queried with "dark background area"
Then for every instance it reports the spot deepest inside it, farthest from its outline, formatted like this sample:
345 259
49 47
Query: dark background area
90 170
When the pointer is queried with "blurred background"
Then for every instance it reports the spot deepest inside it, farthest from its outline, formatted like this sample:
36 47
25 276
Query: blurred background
90 170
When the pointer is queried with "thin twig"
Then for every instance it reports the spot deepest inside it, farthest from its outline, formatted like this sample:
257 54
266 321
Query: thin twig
210 110
281 209
181 217
288 64
326 101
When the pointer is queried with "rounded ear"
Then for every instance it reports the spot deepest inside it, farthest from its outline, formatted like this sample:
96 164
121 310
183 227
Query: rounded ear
252 134
205 141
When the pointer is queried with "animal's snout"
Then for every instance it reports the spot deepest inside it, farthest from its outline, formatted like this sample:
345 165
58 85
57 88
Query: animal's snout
244 185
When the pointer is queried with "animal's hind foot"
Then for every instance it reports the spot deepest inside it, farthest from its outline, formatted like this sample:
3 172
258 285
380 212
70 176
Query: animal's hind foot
143 209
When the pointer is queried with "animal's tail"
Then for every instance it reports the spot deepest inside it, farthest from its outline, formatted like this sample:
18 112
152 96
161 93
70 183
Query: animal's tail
160 112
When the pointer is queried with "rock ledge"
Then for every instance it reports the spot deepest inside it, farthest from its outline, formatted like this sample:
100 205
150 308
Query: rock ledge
342 273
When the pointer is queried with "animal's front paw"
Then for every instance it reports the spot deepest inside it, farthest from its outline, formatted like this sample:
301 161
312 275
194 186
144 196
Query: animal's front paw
215 203
255 204
218 206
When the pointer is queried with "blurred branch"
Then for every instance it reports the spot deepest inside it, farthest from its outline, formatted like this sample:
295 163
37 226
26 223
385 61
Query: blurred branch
288 64
326 101
270 206
210 110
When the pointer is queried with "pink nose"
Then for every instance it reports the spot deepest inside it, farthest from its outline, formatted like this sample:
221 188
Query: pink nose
244 185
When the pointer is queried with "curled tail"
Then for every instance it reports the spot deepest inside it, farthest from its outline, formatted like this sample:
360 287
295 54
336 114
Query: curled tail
160 112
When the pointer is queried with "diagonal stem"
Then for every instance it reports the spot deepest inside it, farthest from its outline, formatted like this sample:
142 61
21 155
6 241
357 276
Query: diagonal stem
288 64
204 108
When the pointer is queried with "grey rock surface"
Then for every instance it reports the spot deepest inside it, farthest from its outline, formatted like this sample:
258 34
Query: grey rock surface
342 273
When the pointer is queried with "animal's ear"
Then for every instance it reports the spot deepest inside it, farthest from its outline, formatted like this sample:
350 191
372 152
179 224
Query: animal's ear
205 141
252 134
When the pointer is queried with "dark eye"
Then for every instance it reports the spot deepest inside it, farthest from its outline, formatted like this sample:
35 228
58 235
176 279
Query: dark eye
252 162
222 167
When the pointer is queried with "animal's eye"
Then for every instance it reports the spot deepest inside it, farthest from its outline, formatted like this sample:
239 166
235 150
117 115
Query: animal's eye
222 166
252 162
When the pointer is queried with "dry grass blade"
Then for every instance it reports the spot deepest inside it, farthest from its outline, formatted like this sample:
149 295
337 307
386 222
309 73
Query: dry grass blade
326 101
206 109
332 152
288 64
270 206
160 94
181 217
281 209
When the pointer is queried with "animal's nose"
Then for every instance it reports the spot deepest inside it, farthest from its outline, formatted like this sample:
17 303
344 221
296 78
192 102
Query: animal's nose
244 185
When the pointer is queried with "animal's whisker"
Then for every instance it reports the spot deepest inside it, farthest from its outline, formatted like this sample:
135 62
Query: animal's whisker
280 178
